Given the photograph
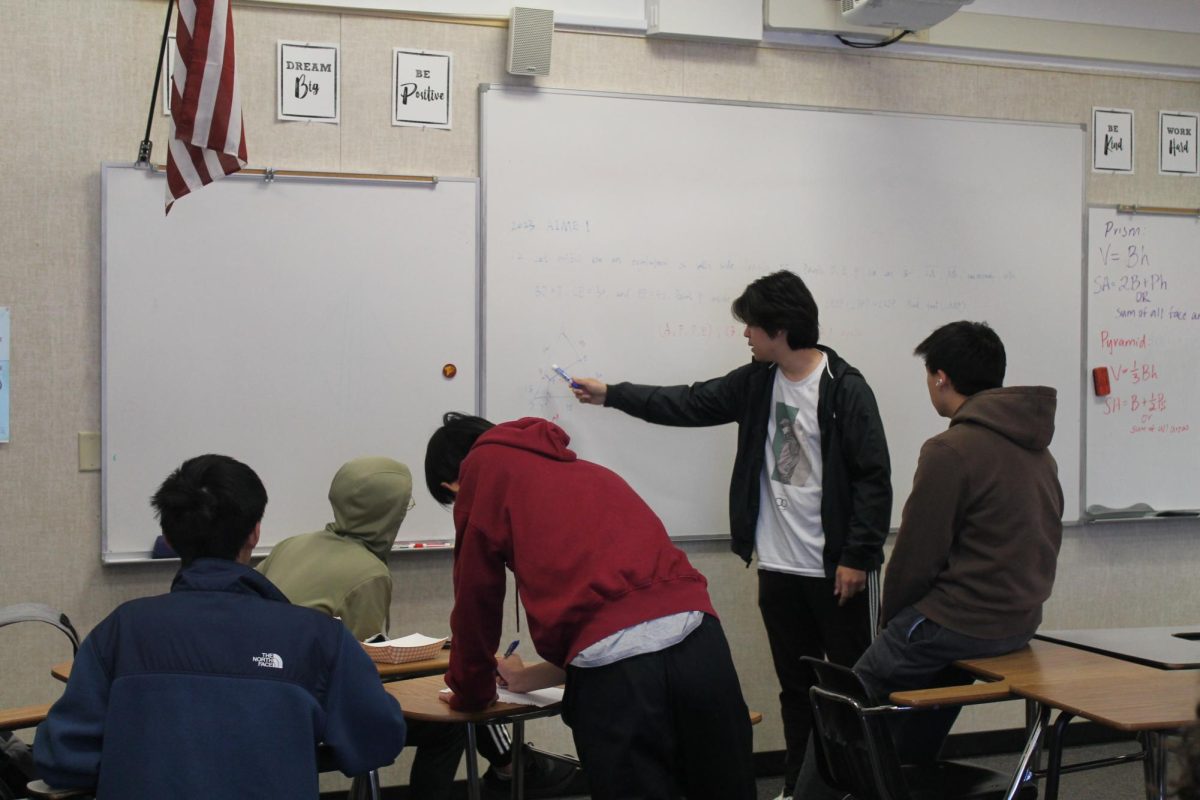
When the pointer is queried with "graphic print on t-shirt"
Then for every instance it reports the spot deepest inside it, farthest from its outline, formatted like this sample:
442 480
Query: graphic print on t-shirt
792 464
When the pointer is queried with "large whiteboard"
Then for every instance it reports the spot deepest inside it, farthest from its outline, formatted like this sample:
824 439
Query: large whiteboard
619 228
1143 439
294 325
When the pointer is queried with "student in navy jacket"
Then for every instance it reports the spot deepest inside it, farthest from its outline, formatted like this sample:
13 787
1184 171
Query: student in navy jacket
220 688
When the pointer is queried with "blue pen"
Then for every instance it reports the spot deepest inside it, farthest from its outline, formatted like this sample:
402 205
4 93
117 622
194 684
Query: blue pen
512 648
563 374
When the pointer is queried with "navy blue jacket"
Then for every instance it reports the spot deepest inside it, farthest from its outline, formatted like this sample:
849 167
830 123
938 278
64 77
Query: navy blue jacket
856 490
219 689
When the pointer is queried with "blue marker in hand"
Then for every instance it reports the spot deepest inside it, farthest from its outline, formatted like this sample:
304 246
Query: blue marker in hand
512 648
562 373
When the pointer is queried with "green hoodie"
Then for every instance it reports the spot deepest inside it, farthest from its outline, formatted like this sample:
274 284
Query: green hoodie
342 570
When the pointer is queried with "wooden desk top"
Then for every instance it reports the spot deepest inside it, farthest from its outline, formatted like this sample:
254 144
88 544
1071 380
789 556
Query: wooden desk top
1039 662
1170 647
1043 661
1161 700
988 692
12 719
419 699
1114 692
411 669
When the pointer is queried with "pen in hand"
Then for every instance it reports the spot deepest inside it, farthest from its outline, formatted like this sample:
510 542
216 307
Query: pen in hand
512 648
562 373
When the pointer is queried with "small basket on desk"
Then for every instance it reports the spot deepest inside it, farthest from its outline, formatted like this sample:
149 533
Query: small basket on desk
413 647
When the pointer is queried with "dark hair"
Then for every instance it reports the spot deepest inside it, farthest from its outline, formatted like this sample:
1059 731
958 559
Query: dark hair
209 506
970 353
447 448
780 302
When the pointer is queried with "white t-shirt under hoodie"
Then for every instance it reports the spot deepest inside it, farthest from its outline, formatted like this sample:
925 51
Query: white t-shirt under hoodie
789 537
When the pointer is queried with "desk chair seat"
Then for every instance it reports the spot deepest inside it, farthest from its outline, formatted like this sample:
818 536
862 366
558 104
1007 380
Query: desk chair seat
363 787
856 754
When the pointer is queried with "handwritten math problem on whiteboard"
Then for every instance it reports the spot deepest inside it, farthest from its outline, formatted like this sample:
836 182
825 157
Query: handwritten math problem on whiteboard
1143 297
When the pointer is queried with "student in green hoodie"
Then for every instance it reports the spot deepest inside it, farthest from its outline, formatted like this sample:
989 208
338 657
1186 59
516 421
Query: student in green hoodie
342 571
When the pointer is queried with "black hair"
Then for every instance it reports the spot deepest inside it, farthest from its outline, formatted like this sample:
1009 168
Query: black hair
446 450
780 302
209 507
970 353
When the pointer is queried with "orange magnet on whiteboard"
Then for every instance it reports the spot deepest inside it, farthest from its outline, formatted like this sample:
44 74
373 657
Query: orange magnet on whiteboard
449 371
1100 381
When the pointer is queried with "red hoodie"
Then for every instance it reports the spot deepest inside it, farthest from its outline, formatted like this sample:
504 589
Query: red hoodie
589 556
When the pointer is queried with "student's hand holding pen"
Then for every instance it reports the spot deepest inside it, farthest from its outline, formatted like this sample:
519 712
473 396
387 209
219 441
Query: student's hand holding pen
590 391
518 677
509 669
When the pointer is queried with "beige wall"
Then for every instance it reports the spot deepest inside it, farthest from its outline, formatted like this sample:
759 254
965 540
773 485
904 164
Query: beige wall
77 83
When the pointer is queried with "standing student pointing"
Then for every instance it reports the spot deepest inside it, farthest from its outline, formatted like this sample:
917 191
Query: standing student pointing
811 486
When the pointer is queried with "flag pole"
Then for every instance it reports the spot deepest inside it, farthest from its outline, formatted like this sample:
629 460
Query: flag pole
143 159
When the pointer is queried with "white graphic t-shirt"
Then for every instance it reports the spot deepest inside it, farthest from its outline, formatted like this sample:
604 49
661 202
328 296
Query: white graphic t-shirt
789 537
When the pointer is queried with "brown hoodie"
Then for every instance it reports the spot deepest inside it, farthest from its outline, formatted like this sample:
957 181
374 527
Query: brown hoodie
980 533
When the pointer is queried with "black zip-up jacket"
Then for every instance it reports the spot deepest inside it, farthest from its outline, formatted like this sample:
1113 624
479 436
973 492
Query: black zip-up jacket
856 490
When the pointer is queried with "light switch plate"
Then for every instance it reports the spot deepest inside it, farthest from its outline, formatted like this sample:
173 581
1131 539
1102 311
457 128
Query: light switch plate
89 451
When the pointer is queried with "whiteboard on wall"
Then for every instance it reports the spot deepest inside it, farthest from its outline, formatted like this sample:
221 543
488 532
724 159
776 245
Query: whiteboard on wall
1143 439
293 325
619 228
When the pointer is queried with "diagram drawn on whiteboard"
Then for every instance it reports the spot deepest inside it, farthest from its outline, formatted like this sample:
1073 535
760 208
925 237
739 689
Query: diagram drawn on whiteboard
550 394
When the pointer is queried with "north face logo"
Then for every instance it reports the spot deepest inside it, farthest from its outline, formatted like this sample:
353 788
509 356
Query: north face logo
268 660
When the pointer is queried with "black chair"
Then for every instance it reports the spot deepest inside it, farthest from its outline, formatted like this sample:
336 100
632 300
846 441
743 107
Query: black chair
856 753
9 615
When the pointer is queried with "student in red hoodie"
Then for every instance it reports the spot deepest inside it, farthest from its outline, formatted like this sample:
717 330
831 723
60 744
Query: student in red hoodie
614 608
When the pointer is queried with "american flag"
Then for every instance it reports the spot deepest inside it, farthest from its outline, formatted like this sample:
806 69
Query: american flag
208 140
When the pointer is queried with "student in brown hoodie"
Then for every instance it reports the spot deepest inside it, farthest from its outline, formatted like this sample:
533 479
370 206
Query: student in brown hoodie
979 536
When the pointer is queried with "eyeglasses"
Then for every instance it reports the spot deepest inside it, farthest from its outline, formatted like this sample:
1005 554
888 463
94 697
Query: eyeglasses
412 503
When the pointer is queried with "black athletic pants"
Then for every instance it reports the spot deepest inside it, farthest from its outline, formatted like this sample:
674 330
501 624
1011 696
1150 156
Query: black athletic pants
803 618
665 724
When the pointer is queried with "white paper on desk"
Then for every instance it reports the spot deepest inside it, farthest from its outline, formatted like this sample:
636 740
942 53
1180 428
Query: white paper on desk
539 697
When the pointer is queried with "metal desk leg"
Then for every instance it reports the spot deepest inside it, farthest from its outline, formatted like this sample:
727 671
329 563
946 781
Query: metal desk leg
364 787
1054 755
1040 716
472 766
1033 710
518 768
1155 764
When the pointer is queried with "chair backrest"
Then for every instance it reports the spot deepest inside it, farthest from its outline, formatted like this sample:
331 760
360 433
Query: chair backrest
837 678
855 748
39 612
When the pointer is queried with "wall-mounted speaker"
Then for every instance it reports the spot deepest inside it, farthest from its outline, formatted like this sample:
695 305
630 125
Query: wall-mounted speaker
530 32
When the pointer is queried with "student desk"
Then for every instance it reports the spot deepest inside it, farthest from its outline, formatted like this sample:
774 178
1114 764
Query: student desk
1110 691
14 719
1172 647
419 699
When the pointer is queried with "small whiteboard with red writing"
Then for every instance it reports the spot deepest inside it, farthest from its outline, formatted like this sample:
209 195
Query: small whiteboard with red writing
1143 306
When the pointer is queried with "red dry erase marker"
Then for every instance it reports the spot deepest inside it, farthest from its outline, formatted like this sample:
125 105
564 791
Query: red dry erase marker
1100 382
